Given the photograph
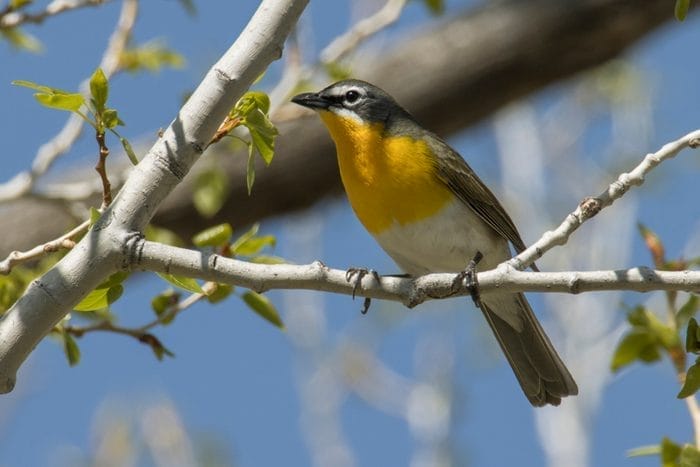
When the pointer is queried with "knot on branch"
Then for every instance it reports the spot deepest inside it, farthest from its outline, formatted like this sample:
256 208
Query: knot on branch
589 207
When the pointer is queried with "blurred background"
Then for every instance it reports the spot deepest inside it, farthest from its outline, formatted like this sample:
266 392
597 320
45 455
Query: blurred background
548 102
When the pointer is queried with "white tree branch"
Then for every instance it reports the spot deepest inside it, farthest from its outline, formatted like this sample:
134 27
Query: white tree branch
589 207
107 245
157 257
17 18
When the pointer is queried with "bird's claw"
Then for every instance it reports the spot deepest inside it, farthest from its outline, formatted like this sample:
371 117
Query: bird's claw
469 279
355 275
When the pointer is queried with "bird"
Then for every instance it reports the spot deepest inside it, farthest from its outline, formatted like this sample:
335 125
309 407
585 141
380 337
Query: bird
430 212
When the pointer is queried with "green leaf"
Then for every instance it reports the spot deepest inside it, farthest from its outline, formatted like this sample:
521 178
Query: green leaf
17 4
651 450
645 319
436 7
67 102
337 71
129 151
104 294
70 347
189 7
669 452
218 235
151 56
95 215
692 381
221 292
267 259
254 245
250 169
251 101
690 456
632 347
692 340
681 9
250 233
262 132
163 303
156 345
182 282
111 119
211 189
263 307
162 235
21 40
99 90
688 310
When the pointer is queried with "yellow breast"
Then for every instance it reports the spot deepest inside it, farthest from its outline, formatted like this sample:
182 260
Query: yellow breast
389 180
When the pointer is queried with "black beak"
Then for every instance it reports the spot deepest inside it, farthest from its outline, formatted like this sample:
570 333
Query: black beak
311 100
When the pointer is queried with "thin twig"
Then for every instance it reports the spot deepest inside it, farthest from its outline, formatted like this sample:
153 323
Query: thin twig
589 207
24 182
67 241
363 29
101 169
13 19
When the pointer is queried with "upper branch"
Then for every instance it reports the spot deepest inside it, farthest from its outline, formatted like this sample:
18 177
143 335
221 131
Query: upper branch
17 18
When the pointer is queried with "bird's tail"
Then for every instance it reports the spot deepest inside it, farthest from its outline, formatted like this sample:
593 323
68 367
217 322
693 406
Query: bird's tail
536 364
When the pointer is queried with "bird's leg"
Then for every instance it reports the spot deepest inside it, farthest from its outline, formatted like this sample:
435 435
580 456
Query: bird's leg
468 277
355 275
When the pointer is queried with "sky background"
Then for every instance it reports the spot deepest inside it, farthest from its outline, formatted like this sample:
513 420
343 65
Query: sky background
239 384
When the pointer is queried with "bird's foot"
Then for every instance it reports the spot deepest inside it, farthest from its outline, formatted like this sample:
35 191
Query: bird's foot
355 276
469 280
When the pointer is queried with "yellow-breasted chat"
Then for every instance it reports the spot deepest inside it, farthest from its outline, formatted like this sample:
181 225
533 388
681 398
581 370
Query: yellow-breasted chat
431 213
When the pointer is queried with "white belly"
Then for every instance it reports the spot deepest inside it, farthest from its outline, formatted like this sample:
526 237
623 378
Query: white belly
444 243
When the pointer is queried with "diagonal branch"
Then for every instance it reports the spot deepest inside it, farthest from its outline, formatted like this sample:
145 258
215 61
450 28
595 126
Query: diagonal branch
17 18
589 207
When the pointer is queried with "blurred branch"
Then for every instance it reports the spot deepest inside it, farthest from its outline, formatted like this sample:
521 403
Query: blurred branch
592 206
12 19
23 183
346 43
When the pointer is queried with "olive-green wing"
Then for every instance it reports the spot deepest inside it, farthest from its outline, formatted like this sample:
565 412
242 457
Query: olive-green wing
454 172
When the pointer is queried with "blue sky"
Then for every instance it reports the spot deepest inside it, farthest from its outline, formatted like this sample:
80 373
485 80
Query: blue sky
237 380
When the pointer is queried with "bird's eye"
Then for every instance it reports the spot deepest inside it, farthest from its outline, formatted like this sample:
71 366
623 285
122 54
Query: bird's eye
351 96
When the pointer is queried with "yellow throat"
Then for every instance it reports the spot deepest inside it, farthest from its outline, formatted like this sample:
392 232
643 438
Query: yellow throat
389 180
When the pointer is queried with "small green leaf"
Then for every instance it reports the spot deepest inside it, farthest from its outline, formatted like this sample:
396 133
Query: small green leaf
669 452
221 292
692 342
70 347
104 294
436 7
94 215
17 4
250 233
129 151
111 119
99 90
67 102
157 346
262 306
218 235
164 302
651 450
163 235
182 282
21 40
688 310
254 245
151 56
211 189
692 381
631 348
645 319
689 457
681 9
250 169
337 71
189 7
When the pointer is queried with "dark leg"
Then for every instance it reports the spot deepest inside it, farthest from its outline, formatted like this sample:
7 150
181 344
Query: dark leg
355 275
468 277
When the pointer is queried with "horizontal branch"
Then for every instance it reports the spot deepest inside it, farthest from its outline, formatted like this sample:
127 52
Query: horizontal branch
157 257
17 18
